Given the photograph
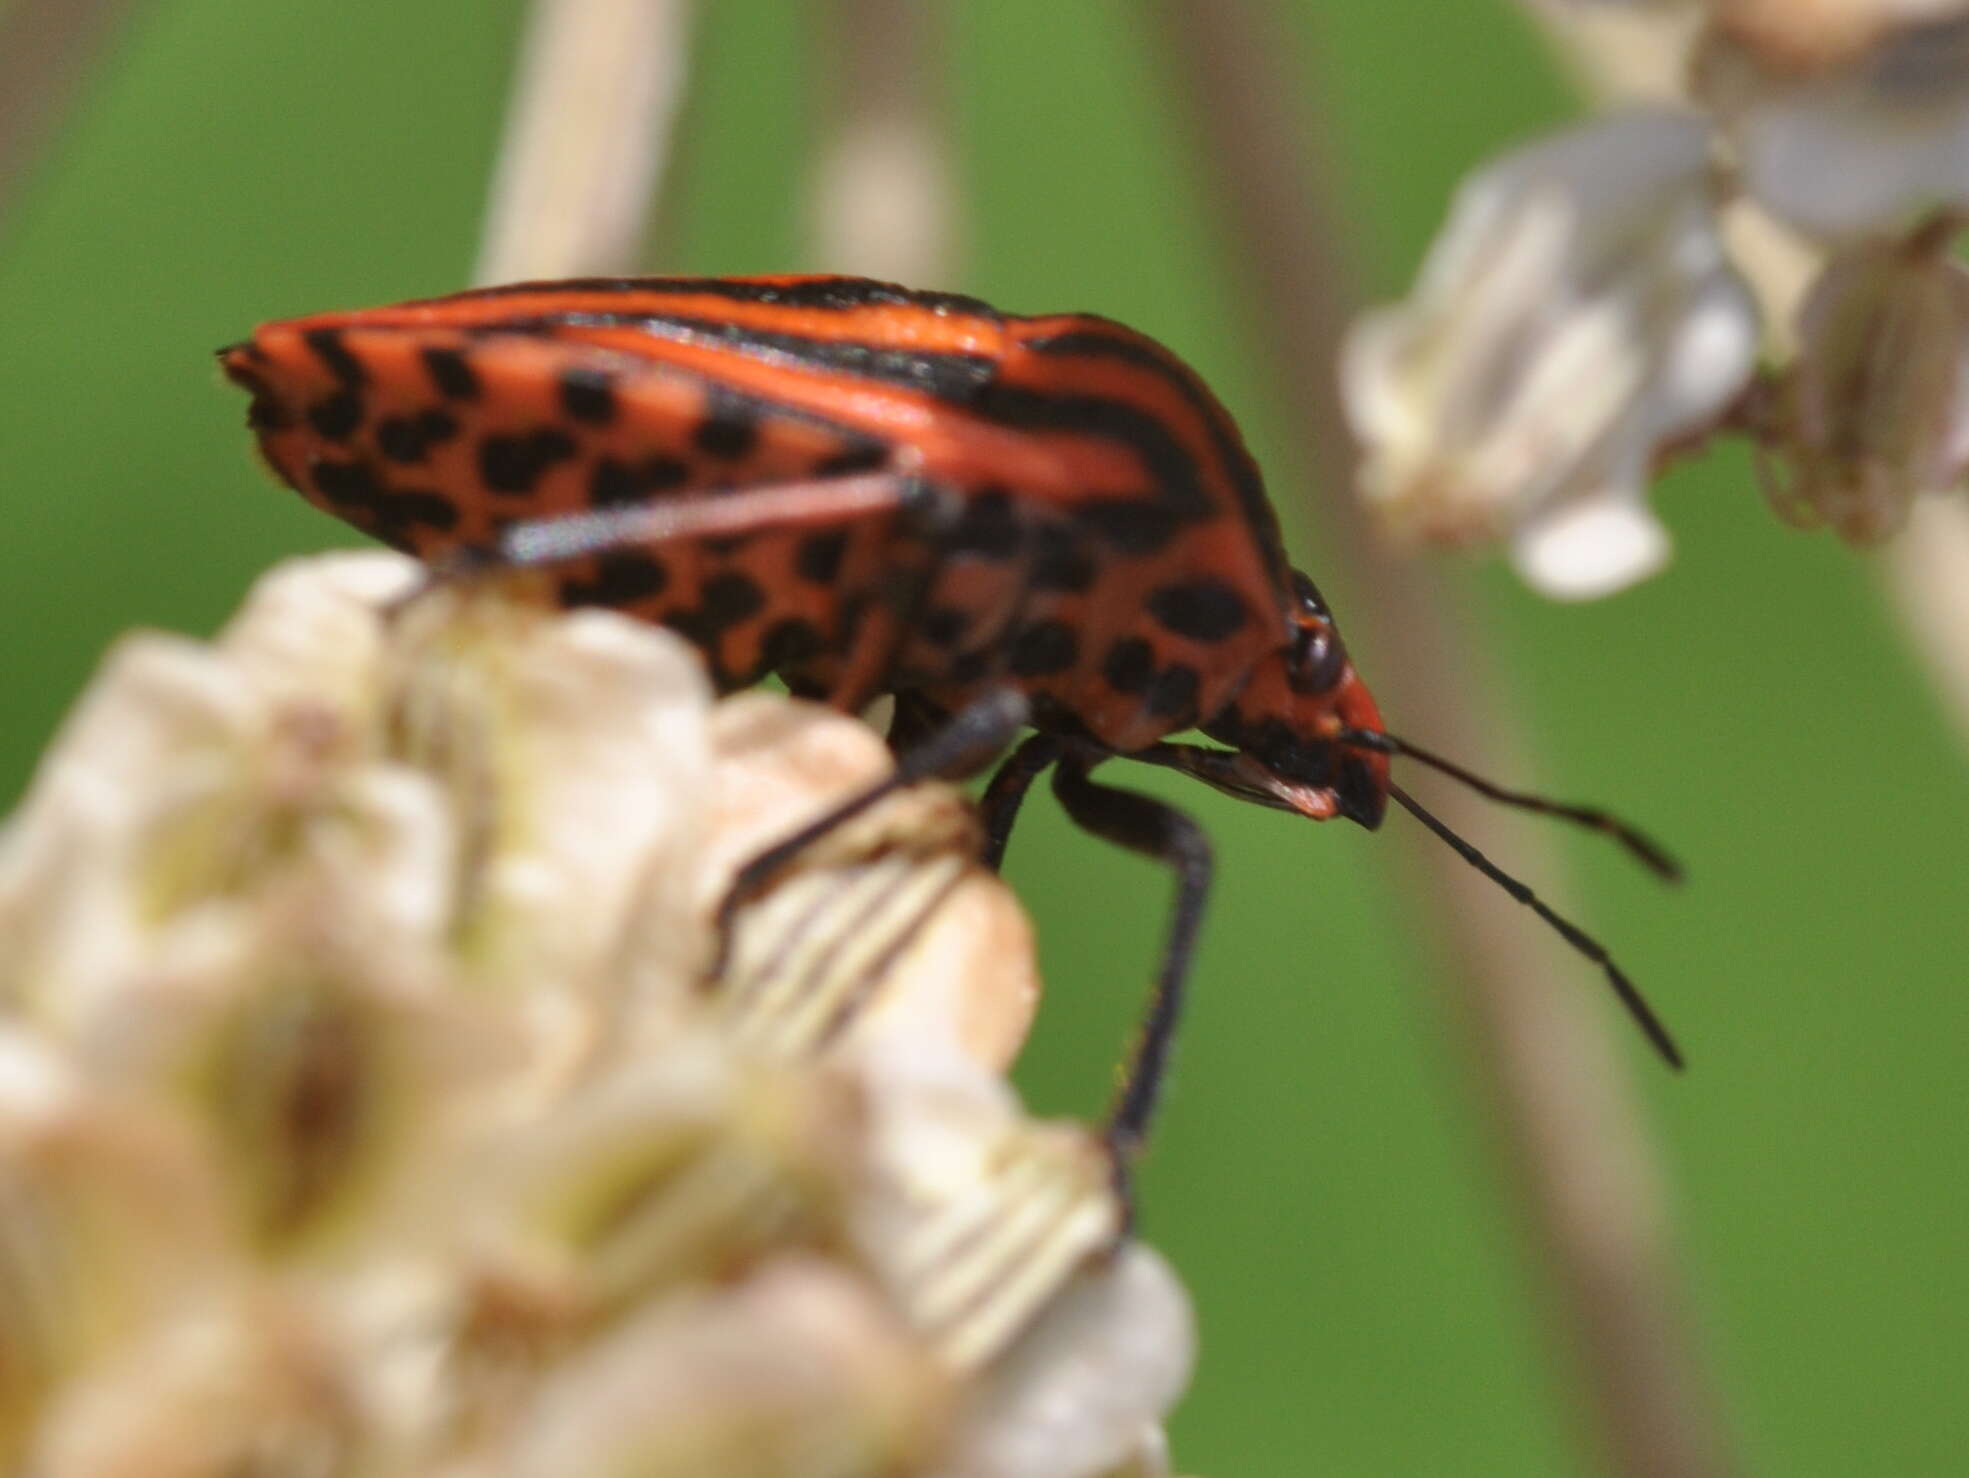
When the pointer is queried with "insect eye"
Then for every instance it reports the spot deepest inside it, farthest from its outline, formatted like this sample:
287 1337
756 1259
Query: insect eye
1319 658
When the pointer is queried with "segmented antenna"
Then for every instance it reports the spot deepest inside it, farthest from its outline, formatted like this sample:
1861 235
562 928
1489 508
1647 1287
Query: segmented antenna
1643 848
1630 996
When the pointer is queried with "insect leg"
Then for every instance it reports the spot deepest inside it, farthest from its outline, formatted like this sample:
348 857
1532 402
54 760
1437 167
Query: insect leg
973 734
1007 792
819 502
1148 826
915 720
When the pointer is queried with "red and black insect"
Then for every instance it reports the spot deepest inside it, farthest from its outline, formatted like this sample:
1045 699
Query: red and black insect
1003 521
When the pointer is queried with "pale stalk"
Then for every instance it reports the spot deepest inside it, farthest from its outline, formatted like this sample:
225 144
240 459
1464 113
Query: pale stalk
588 130
47 48
883 201
1629 53
1927 575
1582 1163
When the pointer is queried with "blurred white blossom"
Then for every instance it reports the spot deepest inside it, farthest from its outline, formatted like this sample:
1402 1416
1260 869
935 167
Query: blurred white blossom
1577 314
1802 36
1586 316
1854 149
365 1107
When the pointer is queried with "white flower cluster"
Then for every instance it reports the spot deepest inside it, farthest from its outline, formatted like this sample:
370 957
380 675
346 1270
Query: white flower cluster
1598 299
365 1110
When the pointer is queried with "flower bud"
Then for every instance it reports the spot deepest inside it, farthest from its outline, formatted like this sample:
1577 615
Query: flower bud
1875 410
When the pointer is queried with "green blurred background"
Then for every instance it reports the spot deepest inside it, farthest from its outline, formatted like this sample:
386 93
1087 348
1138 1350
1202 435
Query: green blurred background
1324 1179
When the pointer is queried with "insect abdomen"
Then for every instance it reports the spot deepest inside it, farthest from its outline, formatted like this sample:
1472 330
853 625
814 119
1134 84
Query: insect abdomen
433 442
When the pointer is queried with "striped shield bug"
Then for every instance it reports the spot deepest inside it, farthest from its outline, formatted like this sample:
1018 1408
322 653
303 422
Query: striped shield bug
1005 522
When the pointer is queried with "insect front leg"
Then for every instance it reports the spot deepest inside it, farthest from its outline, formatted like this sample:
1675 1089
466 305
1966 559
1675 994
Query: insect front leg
1007 792
715 513
973 734
1153 829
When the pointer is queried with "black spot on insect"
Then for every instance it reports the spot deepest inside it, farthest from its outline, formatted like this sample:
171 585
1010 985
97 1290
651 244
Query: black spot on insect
452 373
819 556
389 513
330 350
1130 526
621 578
1061 562
729 598
337 417
725 601
404 508
944 626
1172 693
789 643
867 457
514 464
588 395
730 428
1053 716
612 484
400 439
1205 610
436 427
347 483
615 482
1129 665
989 527
660 474
1044 649
969 668
265 413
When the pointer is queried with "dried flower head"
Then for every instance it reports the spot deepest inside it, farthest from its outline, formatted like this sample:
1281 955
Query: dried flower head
365 1106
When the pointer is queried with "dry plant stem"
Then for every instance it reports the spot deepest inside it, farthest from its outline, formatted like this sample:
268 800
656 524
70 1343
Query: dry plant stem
1580 1154
883 202
883 199
46 48
1927 571
1620 52
597 92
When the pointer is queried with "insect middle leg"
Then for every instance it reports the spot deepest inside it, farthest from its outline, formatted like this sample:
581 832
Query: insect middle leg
1007 792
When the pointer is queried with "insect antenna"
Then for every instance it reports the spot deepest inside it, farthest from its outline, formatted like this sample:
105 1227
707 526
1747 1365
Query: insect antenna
1579 939
1642 847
